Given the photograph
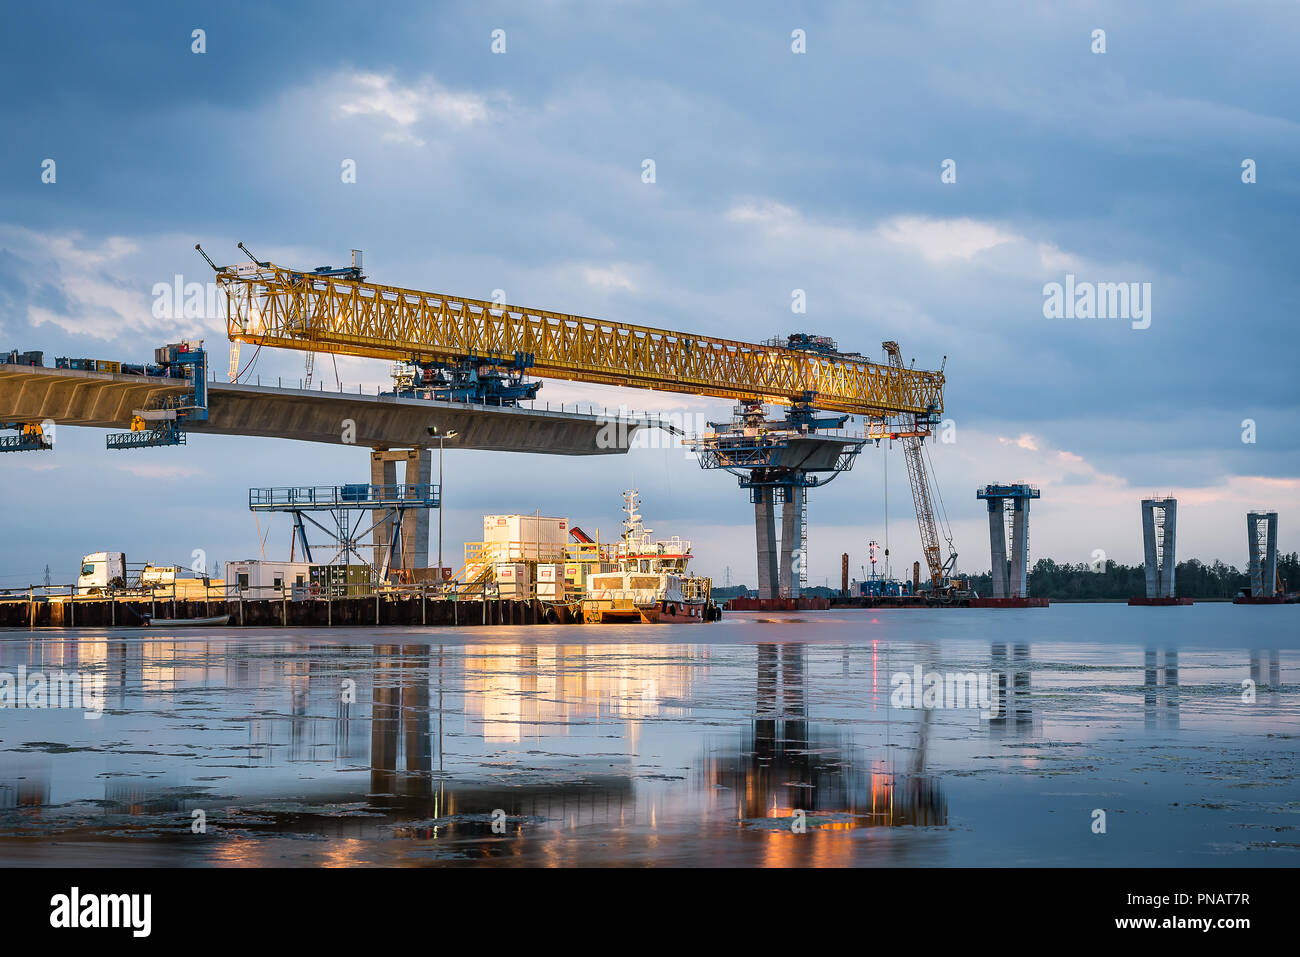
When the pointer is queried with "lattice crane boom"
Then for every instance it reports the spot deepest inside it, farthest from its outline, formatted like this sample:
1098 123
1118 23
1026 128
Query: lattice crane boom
919 479
269 305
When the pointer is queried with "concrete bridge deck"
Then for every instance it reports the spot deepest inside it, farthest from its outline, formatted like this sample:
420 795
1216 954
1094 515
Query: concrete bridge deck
108 400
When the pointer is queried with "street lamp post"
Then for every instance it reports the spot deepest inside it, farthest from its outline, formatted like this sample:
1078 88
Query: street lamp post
442 437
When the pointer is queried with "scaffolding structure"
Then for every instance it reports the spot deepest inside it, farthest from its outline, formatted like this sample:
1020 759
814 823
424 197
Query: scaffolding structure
349 507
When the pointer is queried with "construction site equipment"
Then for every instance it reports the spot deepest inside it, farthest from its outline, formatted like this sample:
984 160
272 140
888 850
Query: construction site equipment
339 581
474 350
511 540
550 581
349 506
14 357
481 380
31 437
778 460
314 311
513 580
526 537
913 441
164 423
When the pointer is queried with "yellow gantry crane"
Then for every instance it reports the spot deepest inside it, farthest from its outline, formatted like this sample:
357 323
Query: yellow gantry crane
337 311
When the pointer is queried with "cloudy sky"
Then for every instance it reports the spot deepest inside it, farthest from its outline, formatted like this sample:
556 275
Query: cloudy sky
774 171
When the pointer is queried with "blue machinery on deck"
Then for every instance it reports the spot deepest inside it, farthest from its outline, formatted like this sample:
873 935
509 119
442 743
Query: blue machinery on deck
165 424
482 380
778 461
386 505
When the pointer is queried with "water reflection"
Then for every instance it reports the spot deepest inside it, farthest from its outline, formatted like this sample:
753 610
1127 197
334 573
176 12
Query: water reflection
785 763
1015 715
405 751
1160 689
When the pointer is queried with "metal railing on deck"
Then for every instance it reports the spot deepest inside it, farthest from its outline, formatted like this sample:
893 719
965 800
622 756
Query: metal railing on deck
329 497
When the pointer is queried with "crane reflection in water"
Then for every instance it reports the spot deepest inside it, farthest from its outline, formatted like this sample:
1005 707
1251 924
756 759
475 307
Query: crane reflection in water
786 763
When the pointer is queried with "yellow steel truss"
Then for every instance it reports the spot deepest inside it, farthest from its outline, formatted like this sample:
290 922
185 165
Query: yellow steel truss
278 307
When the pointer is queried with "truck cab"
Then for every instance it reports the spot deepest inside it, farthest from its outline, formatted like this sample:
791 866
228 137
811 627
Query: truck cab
100 570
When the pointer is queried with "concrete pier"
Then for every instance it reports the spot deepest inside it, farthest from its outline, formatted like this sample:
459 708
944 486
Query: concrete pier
1010 578
417 469
998 549
1159 537
765 534
1261 542
791 541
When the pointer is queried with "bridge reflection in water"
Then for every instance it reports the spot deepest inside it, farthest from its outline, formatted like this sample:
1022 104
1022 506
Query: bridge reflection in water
786 762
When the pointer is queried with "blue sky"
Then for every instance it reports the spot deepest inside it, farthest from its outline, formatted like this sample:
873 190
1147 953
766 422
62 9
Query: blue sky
775 171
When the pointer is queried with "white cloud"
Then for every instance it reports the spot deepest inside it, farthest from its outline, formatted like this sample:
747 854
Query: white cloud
765 212
1023 441
94 293
939 240
377 95
615 276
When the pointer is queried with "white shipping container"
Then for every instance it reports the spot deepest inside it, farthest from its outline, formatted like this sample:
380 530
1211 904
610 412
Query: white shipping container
513 580
550 581
528 537
256 579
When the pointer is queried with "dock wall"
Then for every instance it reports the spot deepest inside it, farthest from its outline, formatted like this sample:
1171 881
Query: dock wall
342 612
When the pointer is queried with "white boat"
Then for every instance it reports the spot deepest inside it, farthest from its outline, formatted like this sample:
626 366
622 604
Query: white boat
215 621
649 581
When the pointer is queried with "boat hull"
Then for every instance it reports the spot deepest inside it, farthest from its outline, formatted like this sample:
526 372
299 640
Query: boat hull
215 621
625 613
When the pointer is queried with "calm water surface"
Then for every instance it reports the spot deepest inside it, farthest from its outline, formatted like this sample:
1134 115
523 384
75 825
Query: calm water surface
669 745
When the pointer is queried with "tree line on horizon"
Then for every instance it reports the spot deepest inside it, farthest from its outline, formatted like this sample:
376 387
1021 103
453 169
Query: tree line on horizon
1048 579
1192 579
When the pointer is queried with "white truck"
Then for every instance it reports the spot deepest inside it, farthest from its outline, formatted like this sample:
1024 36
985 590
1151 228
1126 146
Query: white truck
100 570
108 571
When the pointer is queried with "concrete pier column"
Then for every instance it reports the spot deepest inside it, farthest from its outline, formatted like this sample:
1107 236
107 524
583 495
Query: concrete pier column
1149 549
1018 586
765 534
791 541
1254 558
383 471
1169 558
998 547
1159 538
1261 542
415 522
1270 555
